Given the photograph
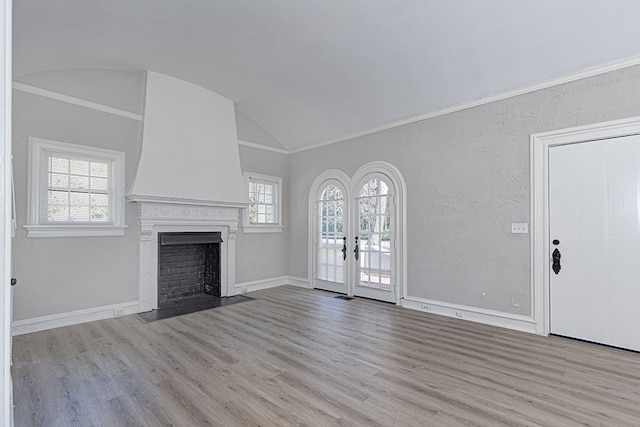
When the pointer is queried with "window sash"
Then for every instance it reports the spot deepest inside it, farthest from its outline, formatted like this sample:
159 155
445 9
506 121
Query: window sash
76 189
263 197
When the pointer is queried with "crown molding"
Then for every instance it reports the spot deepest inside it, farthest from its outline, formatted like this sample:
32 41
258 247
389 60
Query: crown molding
568 78
262 147
22 87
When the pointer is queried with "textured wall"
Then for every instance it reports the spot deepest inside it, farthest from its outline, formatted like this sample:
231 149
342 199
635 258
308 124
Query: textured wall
467 176
263 255
58 275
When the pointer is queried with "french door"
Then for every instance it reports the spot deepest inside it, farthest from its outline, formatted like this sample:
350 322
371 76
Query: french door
354 240
330 264
375 239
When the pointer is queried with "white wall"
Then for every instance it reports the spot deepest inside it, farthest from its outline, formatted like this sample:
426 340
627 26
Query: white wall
59 275
467 176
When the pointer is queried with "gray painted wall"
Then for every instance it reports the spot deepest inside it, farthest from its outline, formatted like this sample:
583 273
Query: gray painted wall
467 176
58 275
263 255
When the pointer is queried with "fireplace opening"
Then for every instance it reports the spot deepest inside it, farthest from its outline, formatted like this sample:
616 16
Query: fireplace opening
188 266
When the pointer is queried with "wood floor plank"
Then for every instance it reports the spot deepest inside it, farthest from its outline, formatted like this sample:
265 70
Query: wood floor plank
302 357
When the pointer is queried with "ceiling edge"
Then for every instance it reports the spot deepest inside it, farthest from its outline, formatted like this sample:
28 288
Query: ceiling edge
588 72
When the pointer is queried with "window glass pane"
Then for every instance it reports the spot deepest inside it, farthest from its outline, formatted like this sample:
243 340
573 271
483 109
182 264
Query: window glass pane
58 198
58 165
99 214
99 183
79 167
79 198
79 213
59 180
100 169
58 213
99 200
79 181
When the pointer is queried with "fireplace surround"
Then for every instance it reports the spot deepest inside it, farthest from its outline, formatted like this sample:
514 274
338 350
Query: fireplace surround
183 216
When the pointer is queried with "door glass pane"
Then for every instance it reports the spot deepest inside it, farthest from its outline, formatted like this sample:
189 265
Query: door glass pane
329 260
374 210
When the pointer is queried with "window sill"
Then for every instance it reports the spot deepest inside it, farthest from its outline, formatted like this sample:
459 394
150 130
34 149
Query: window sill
74 230
262 228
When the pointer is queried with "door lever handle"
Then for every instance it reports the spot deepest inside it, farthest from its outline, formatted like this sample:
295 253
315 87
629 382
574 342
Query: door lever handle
556 261
344 249
357 250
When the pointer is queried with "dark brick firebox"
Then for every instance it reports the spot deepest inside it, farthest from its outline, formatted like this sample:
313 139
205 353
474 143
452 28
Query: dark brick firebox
188 265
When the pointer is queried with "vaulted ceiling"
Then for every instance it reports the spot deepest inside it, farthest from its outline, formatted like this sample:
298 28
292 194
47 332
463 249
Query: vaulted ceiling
313 71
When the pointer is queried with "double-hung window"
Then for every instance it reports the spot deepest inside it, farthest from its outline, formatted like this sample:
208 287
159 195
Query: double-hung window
75 190
264 213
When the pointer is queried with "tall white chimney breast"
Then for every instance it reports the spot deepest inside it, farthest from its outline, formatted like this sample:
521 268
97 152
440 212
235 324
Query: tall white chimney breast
189 146
188 177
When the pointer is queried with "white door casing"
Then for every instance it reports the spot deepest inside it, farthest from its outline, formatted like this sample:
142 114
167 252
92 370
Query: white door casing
6 404
352 187
540 145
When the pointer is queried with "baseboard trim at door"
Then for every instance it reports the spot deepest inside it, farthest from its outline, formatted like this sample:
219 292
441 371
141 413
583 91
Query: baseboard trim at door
299 282
257 285
479 315
20 327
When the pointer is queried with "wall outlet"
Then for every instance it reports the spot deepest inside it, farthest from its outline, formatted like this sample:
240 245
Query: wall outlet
519 228
118 311
426 307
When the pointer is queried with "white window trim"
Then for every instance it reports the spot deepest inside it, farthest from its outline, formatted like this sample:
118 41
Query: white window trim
247 227
34 229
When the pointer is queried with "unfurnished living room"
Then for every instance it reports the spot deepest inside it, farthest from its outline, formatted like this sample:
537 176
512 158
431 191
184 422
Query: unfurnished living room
319 213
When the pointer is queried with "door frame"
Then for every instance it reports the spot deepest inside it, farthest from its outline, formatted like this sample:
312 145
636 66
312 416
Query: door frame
351 183
540 144
6 400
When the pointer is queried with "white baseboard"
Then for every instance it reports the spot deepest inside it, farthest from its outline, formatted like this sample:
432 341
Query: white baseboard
474 314
299 282
26 326
256 285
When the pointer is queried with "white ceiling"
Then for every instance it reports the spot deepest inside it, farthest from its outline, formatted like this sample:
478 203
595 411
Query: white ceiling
312 71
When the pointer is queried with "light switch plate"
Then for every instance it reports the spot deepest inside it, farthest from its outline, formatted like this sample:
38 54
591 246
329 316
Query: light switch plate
519 228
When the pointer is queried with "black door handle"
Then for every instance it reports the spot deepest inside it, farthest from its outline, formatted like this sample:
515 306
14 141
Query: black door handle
344 249
357 250
556 261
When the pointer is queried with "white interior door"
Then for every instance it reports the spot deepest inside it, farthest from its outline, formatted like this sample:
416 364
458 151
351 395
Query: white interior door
594 224
330 264
375 239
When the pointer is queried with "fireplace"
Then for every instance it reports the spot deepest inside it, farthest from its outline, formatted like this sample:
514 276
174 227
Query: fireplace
188 266
171 219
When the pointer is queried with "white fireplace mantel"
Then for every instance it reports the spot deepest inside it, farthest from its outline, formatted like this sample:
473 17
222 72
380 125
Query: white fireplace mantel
160 216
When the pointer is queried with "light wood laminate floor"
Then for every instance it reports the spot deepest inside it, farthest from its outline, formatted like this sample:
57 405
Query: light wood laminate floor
302 357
